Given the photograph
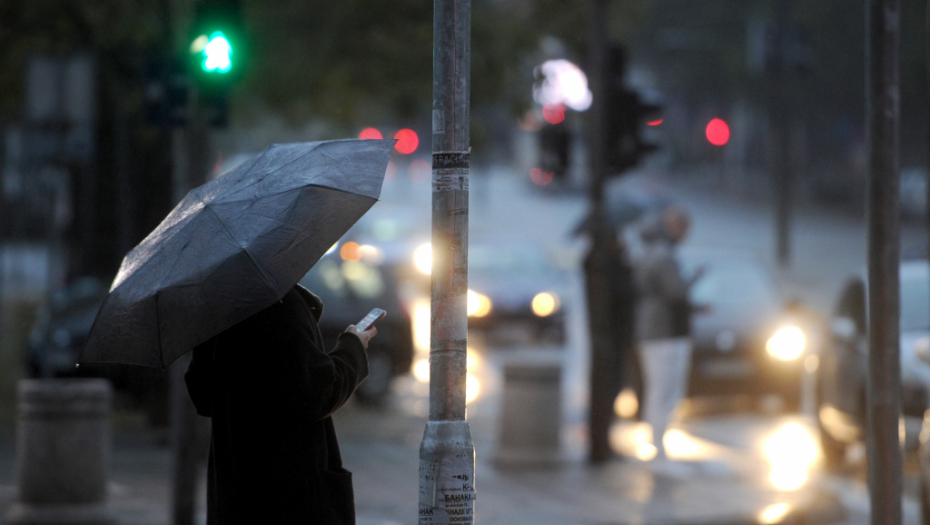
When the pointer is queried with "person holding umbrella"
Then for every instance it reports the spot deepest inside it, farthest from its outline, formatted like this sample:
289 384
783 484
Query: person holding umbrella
270 387
219 276
663 323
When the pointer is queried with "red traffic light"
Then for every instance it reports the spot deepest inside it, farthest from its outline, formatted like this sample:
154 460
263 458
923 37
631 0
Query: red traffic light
370 133
553 113
407 141
717 131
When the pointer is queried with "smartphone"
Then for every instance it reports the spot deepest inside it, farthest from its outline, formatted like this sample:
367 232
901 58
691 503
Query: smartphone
369 320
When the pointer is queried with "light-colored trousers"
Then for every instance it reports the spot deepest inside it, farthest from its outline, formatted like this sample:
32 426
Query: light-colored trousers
666 365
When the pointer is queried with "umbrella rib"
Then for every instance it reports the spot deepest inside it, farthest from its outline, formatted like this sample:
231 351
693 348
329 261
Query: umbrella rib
255 182
249 199
257 266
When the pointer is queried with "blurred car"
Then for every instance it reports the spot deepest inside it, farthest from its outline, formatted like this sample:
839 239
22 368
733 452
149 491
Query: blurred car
60 330
515 294
351 280
843 363
746 340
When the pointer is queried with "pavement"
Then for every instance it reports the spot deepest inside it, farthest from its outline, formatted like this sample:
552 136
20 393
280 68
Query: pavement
712 481
720 476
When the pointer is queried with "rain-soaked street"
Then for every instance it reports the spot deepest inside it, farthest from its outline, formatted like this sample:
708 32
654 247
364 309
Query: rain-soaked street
736 460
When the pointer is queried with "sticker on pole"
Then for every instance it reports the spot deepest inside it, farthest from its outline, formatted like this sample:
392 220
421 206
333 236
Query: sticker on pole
447 491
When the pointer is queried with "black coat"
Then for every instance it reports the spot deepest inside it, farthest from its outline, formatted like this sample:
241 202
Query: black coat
270 388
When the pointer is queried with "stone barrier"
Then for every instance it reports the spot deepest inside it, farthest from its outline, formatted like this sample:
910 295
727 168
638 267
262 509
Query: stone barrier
62 452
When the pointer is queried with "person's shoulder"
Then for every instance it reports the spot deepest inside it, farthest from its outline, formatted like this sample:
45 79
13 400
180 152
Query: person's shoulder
309 298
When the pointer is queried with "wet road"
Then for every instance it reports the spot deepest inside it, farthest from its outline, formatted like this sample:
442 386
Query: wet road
773 450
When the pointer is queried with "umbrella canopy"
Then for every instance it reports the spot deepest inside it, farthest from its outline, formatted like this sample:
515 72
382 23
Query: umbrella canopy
624 206
233 247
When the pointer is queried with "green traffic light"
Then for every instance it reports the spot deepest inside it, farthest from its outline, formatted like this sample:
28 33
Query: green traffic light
217 52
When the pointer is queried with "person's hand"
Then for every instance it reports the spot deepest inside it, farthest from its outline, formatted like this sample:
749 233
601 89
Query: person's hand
364 336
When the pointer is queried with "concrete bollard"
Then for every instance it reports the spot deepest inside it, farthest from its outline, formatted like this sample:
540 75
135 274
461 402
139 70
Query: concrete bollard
531 413
62 453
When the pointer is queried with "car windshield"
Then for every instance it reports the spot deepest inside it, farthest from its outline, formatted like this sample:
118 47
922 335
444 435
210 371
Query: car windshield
915 298
733 283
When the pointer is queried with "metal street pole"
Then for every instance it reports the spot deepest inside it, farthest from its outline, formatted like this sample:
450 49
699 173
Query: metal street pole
447 455
598 261
884 398
189 150
780 101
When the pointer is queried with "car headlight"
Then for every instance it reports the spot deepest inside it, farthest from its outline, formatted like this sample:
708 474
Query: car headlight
479 305
786 344
545 303
423 258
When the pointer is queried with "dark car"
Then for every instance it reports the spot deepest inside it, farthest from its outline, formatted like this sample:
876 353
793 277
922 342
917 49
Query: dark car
61 328
746 342
515 294
843 368
350 284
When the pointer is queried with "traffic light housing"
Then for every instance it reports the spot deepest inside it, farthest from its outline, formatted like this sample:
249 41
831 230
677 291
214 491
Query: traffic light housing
626 113
216 46
554 149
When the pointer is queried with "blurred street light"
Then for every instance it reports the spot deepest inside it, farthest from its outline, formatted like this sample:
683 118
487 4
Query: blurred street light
562 83
407 141
717 132
370 133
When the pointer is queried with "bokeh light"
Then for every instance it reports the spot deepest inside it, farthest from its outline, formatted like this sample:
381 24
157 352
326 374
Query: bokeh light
791 451
407 141
718 132
540 177
420 319
478 305
544 304
350 252
786 344
423 258
370 133
626 405
774 513
563 83
472 388
421 370
553 113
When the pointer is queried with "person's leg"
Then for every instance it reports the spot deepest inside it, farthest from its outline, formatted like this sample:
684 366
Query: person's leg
655 357
679 367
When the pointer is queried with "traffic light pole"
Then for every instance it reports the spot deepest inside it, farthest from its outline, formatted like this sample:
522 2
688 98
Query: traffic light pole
780 101
597 263
884 384
447 455
190 165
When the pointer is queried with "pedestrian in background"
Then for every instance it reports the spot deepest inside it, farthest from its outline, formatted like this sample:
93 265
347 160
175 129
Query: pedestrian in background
270 388
663 320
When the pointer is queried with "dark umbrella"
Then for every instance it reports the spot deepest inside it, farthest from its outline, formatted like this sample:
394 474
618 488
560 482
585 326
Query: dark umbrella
624 206
233 247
